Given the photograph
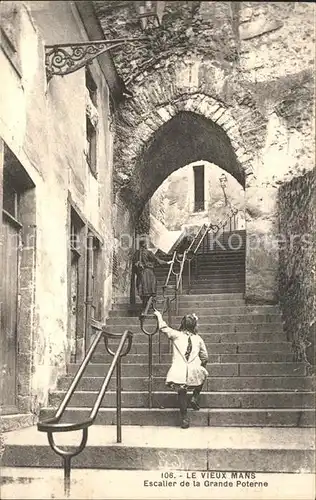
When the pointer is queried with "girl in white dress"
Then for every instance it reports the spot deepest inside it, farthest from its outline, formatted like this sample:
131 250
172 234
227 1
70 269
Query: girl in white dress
189 358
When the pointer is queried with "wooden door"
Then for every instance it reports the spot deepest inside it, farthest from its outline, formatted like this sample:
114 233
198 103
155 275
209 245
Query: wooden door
9 312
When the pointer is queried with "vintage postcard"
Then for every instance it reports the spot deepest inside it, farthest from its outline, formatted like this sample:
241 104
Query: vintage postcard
157 307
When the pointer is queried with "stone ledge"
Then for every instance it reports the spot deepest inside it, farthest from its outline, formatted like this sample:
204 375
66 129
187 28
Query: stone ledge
17 421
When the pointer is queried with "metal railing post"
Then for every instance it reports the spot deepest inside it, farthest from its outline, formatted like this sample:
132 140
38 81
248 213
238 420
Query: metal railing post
53 424
119 401
150 371
150 350
67 470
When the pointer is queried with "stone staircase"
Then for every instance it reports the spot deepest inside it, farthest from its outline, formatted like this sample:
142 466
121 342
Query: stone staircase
255 393
217 269
253 380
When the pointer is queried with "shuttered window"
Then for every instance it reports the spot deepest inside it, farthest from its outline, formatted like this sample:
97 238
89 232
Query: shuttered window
199 200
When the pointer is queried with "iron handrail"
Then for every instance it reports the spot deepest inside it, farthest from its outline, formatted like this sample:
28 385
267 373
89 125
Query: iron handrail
170 270
166 308
184 257
53 424
209 227
195 238
191 254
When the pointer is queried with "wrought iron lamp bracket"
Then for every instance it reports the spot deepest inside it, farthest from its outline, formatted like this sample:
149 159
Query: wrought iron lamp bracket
62 59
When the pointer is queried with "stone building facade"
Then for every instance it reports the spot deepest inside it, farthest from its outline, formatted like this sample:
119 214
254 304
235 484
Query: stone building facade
236 78
56 163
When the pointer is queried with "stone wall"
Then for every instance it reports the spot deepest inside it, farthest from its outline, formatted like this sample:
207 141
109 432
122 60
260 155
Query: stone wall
246 67
43 124
297 201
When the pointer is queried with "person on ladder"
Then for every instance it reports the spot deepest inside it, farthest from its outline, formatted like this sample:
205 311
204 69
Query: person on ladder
189 359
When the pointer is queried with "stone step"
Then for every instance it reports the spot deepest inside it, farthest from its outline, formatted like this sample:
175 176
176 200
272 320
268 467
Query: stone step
164 399
216 297
212 338
198 291
146 448
219 278
219 252
244 330
220 247
213 264
232 269
226 266
226 275
213 417
274 357
206 318
206 299
221 384
221 256
124 301
205 308
218 274
209 282
217 287
250 348
211 286
215 369
215 281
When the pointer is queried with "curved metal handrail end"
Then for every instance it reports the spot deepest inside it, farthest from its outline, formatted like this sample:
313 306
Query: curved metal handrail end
68 454
97 325
50 426
118 335
129 338
144 316
142 319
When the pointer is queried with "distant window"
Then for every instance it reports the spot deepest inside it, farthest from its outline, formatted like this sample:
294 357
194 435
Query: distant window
199 200
91 123
91 86
91 138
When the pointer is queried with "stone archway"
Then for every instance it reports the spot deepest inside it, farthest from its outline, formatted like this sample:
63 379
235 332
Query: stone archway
183 138
206 102
136 132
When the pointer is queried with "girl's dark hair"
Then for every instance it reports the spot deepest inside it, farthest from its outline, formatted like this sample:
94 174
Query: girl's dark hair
143 243
189 323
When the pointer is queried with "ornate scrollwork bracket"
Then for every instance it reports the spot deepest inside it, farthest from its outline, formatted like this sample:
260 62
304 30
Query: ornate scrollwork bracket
62 59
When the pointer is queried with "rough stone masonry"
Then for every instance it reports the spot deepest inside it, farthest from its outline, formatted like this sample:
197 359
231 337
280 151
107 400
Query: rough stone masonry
241 73
297 201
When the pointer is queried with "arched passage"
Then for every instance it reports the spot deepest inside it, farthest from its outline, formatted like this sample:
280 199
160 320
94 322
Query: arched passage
164 121
185 138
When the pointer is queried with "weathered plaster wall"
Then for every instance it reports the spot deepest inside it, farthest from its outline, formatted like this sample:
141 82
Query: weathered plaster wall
44 126
297 227
173 202
247 67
